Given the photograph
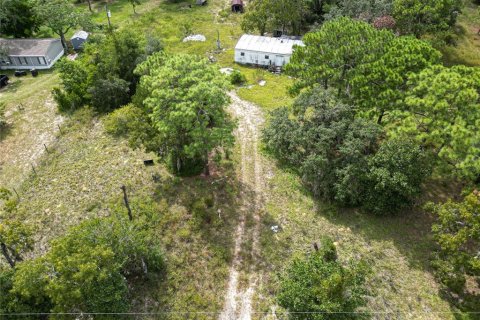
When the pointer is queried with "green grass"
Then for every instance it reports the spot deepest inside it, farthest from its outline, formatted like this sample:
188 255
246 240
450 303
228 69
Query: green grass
397 249
32 121
467 48
270 96
165 20
81 177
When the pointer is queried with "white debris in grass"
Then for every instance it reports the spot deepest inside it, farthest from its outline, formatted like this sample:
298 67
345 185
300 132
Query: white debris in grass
275 228
261 83
195 37
226 71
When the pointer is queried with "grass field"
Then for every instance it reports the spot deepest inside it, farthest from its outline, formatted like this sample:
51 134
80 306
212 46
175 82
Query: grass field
32 121
397 249
467 48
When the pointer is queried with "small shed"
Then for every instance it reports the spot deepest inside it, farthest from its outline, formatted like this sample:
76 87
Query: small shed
26 54
78 39
265 51
237 6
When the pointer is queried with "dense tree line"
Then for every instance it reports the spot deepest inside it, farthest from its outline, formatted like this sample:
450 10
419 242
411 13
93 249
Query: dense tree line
399 83
409 17
375 115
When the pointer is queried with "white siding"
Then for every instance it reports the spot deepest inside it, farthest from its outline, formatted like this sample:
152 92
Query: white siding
264 51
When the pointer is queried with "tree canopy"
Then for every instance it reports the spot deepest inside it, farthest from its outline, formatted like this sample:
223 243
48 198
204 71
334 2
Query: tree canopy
399 82
103 77
61 16
326 143
99 254
366 10
379 86
394 176
18 18
419 17
185 98
332 54
444 113
457 233
289 16
345 158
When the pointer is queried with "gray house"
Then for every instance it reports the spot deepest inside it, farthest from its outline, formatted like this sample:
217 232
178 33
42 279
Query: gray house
29 53
78 39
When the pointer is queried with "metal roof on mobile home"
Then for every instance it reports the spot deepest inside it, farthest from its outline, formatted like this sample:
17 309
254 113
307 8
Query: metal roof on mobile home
250 42
27 47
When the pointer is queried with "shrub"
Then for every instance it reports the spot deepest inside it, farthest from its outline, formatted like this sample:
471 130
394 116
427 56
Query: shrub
75 79
457 233
317 287
200 210
395 174
237 78
133 123
66 102
102 255
109 94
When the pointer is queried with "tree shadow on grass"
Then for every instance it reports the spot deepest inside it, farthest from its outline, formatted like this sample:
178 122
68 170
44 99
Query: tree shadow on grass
198 237
408 229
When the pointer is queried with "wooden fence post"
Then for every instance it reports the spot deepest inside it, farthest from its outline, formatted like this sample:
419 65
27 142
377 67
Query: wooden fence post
127 204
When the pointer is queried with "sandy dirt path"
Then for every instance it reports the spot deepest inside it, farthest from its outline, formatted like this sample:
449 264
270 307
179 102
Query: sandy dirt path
238 299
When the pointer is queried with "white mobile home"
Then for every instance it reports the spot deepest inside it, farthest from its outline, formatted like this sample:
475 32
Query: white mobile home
29 53
265 51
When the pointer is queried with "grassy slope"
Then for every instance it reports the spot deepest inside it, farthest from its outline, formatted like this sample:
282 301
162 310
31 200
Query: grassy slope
467 48
32 118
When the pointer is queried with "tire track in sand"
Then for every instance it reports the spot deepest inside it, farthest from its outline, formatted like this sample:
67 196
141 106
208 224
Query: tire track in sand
238 301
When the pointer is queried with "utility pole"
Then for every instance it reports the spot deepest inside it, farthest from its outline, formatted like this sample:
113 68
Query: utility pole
219 46
109 14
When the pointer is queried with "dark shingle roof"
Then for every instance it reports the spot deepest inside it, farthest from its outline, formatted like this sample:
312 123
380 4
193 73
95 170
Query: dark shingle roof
27 47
